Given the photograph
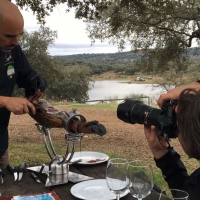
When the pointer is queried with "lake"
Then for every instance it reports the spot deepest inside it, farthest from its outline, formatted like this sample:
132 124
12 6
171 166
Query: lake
117 89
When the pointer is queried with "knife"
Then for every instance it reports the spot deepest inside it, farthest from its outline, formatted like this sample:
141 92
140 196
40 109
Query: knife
75 178
34 176
13 171
21 170
1 176
76 161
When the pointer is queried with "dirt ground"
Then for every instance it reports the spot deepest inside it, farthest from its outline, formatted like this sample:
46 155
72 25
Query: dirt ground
122 139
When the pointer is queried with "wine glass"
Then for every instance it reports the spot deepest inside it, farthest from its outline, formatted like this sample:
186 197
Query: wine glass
174 194
141 179
117 175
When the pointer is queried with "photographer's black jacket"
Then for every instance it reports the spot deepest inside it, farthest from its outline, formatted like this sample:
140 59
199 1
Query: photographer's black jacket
14 69
176 175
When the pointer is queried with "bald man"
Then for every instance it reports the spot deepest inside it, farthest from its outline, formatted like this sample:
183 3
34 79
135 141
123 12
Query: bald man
14 69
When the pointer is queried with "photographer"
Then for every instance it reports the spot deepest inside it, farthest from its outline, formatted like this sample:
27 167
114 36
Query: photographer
188 121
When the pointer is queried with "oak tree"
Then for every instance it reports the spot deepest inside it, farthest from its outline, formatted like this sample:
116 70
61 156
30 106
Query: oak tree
69 83
166 27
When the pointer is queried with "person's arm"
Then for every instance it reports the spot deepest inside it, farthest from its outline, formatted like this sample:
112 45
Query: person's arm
172 168
175 92
17 105
27 77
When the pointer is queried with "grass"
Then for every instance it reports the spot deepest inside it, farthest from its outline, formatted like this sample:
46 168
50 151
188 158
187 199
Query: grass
38 155
96 106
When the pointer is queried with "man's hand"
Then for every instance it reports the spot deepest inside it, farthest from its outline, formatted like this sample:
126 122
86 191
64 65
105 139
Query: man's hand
35 83
175 93
18 105
157 149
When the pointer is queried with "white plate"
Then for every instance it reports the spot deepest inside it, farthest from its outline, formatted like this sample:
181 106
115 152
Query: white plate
94 190
89 157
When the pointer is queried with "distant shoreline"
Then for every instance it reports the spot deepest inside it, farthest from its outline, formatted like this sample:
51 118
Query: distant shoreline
123 77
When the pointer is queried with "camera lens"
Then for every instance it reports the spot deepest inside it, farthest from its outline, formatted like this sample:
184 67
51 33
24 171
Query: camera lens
134 111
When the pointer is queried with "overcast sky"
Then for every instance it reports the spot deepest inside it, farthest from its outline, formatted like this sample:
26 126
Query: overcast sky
72 37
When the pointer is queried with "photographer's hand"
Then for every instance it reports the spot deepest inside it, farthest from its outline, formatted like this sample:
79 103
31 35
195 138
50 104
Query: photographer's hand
152 134
175 93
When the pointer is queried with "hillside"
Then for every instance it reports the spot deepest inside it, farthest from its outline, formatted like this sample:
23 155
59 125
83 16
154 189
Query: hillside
124 57
107 57
121 63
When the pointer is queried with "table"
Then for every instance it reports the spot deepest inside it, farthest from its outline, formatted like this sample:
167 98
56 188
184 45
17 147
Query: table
29 186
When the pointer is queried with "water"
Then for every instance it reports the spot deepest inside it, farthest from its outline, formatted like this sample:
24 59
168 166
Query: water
120 89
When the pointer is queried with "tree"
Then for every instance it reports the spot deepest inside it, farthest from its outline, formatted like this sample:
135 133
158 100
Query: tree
169 26
73 86
177 74
35 46
64 83
87 9
165 28
131 69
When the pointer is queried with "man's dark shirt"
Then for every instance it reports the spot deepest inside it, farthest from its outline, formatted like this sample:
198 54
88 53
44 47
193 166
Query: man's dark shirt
176 175
14 69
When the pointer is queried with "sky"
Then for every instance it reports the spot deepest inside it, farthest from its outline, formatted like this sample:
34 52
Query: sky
72 37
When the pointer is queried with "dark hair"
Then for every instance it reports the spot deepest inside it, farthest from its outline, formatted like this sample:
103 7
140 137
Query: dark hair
188 118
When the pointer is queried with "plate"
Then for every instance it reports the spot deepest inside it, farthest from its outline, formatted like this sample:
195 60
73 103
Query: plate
89 157
94 190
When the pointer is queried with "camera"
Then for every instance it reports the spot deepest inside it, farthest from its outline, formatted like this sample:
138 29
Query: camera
135 112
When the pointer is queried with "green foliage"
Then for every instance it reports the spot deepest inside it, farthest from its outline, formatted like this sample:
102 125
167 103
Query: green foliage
100 63
163 30
135 96
132 63
132 69
35 47
64 83
177 72
139 97
84 8
73 86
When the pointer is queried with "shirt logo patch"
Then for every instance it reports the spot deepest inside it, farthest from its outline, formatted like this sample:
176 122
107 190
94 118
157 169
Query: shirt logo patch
8 57
10 71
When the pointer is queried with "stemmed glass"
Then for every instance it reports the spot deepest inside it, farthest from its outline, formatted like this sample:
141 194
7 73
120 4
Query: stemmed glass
117 176
174 194
141 179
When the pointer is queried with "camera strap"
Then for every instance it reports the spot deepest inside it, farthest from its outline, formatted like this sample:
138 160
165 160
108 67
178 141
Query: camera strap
169 148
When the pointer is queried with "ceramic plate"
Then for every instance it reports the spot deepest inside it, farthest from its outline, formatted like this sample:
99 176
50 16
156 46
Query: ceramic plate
94 190
89 157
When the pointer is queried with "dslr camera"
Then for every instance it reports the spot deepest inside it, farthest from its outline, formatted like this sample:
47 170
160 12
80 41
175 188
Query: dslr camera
135 112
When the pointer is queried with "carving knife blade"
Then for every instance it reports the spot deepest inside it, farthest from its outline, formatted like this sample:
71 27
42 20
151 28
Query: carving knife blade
75 178
1 176
34 176
21 170
13 171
